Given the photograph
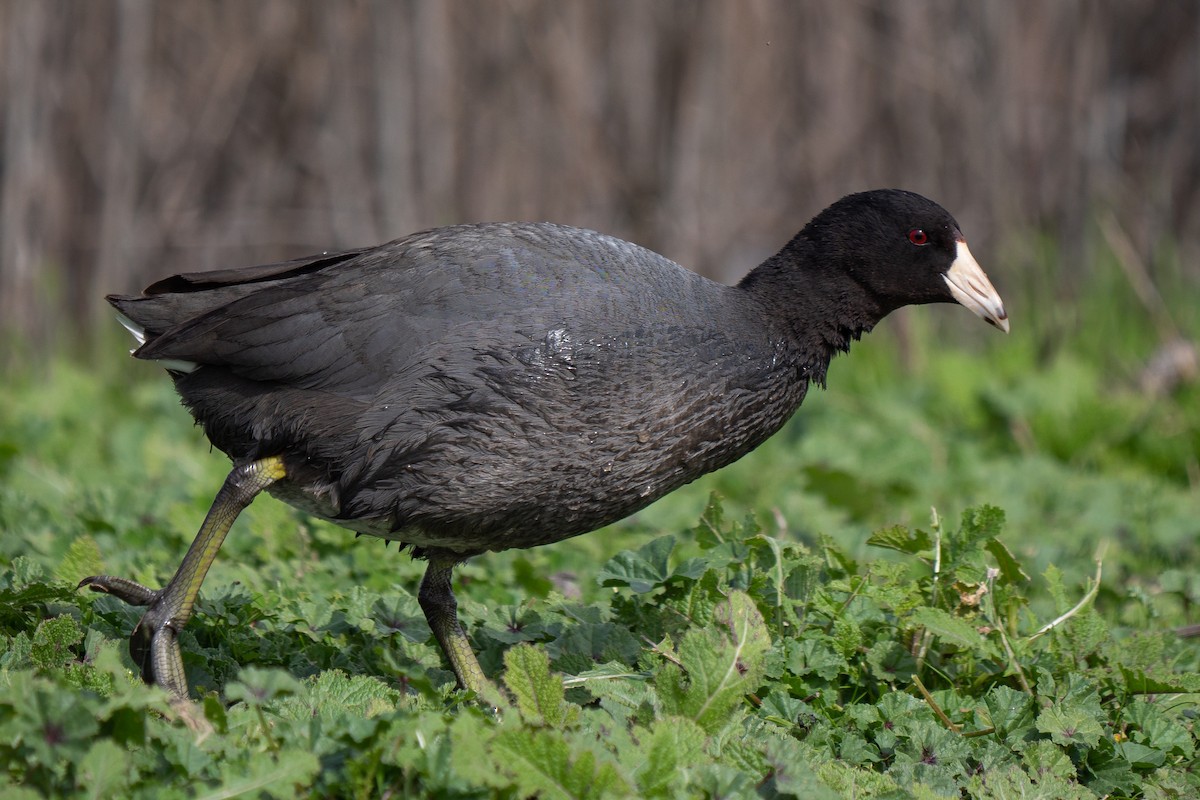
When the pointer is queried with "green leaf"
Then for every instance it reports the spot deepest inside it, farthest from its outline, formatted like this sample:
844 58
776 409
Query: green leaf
1141 682
1044 758
847 636
792 773
978 525
1070 725
586 644
256 686
890 661
902 539
277 776
719 666
539 693
951 629
836 557
400 614
53 643
710 530
813 655
544 764
641 571
1159 729
471 740
857 750
81 560
1111 773
1140 756
103 771
1010 568
700 600
333 692
1009 710
24 607
672 745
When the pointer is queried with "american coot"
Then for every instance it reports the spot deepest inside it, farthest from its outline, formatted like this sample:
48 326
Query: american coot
481 387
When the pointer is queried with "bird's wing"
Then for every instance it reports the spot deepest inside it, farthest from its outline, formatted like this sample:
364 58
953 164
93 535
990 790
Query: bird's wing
353 322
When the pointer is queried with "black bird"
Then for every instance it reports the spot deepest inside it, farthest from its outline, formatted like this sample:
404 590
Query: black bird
481 387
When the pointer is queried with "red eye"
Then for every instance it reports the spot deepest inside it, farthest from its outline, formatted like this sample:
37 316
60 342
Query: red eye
918 236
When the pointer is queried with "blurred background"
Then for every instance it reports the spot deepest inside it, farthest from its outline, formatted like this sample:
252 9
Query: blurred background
140 139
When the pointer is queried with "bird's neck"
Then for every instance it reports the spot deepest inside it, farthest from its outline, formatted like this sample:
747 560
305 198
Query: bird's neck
822 309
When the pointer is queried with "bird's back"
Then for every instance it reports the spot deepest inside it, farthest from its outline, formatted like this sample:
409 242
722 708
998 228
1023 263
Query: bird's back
475 387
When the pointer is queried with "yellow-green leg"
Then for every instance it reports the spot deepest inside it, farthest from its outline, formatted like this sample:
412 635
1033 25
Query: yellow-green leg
441 611
154 643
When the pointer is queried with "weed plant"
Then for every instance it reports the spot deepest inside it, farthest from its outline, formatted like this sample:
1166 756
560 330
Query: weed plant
802 624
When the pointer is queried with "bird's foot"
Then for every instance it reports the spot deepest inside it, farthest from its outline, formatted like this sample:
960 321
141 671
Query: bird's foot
154 644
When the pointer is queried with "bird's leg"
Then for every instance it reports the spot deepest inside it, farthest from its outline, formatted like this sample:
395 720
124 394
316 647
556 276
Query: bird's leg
441 611
154 642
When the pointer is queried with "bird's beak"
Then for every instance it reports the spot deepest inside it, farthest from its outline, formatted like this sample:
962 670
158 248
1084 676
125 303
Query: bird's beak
971 287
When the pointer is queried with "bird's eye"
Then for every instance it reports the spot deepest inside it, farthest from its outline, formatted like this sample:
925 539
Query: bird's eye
918 236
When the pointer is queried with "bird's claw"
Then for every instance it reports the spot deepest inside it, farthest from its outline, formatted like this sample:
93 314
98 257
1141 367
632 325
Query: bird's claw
153 645
121 588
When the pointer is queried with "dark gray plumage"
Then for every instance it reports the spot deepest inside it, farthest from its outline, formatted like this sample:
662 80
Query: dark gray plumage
481 387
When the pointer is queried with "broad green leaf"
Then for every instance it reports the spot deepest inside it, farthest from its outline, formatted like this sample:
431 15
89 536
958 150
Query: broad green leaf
400 614
256 686
836 557
587 644
814 655
539 693
719 666
24 606
103 771
783 709
672 745
890 661
710 530
335 692
271 776
1070 725
1140 756
857 750
803 578
719 780
474 754
611 671
1111 773
1045 758
1013 782
791 770
53 642
1142 682
901 710
1159 729
978 525
898 537
544 764
641 571
629 701
700 600
950 629
1010 568
1009 710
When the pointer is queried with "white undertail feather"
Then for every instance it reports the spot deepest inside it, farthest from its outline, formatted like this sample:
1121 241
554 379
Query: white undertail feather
139 333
